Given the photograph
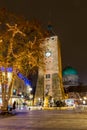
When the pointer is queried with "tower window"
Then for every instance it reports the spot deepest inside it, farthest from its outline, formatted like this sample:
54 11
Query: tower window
47 75
52 38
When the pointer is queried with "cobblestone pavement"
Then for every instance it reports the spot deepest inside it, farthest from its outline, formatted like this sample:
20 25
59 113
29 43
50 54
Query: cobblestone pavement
44 120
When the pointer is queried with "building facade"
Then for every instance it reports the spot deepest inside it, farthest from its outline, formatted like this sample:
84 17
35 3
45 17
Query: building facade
20 87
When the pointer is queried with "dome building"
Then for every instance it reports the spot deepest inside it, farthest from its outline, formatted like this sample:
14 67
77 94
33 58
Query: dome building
70 77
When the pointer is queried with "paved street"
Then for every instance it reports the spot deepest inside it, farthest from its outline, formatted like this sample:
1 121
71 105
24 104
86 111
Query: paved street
45 120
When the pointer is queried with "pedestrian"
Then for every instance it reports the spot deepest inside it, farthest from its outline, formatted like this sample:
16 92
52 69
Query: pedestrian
14 105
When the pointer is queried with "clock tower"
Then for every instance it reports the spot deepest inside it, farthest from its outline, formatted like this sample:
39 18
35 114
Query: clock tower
49 86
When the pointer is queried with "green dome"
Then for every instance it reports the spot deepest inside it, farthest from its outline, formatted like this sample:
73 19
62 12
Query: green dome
69 71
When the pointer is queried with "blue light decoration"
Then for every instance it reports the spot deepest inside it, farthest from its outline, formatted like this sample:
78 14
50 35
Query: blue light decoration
2 69
10 69
26 81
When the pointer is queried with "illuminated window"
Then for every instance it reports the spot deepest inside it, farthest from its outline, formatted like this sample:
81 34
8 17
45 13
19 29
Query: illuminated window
14 91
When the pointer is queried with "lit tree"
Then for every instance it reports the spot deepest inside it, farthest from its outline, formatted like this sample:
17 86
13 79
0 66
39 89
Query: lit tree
21 48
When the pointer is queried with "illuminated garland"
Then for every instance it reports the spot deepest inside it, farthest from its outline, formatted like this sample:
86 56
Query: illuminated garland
26 81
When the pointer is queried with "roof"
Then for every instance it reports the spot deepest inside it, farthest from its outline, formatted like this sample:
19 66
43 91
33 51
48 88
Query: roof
69 71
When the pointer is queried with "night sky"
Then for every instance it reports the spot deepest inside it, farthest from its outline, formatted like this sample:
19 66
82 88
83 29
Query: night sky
69 21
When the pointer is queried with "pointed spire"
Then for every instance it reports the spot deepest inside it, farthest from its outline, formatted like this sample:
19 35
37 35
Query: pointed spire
50 29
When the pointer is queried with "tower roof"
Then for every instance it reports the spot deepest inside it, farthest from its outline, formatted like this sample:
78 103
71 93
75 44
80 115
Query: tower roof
50 30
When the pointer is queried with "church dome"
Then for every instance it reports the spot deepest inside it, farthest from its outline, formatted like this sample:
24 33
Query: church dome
69 71
70 77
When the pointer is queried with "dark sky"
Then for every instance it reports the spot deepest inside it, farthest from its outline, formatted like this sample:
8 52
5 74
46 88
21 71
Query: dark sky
69 21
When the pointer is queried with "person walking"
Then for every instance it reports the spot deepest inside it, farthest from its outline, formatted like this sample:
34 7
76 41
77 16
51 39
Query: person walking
14 105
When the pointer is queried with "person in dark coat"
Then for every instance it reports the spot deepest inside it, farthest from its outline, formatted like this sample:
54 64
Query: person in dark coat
14 105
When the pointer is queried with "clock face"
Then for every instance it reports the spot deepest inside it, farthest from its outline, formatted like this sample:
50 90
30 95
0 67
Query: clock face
48 53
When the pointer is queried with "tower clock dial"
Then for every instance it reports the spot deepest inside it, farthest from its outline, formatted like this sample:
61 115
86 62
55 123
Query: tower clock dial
48 54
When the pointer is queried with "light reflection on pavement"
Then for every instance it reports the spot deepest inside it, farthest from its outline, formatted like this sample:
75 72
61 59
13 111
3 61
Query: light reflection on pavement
45 120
